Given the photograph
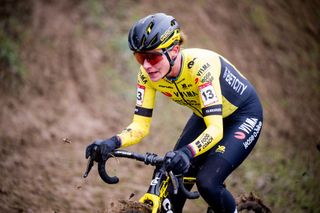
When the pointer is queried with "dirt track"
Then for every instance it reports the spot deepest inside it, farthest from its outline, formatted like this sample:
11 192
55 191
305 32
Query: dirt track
71 52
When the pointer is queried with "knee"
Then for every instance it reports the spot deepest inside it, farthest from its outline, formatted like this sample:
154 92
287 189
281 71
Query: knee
208 186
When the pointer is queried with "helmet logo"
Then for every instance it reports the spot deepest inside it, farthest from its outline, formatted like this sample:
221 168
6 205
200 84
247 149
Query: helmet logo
166 34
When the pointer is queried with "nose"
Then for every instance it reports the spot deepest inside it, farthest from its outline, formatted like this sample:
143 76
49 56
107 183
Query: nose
146 64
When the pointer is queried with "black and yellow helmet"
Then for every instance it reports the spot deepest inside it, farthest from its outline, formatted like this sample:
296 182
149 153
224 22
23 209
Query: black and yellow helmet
156 31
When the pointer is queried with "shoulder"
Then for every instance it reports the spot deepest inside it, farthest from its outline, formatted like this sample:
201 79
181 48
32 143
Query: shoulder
200 61
143 77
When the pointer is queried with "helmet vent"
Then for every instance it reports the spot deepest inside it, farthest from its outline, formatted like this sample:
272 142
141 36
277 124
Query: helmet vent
153 41
142 41
149 28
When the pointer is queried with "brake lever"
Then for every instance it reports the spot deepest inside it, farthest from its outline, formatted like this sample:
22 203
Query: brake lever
91 160
175 183
89 166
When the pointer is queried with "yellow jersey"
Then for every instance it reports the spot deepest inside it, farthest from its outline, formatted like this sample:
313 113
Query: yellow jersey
207 83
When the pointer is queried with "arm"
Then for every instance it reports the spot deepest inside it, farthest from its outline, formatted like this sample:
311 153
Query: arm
211 104
139 128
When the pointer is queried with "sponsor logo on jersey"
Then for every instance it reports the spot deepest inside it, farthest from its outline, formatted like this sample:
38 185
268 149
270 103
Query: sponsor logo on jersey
254 134
221 149
186 86
165 86
185 94
234 82
191 63
239 135
212 110
207 78
246 128
248 125
204 141
143 78
203 69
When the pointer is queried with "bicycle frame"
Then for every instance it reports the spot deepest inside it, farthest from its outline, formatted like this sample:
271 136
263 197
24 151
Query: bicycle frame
157 196
158 193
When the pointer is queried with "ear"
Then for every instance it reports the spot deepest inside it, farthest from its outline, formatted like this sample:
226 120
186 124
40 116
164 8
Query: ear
175 50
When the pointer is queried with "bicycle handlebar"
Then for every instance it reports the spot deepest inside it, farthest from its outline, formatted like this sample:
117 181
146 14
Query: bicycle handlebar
148 158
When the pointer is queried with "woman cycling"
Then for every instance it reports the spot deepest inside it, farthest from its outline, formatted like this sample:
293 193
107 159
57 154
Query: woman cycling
227 114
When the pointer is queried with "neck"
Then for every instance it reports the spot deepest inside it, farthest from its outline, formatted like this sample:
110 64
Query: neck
176 67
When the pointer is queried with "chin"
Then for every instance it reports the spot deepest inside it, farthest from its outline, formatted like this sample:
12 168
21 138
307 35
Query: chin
155 79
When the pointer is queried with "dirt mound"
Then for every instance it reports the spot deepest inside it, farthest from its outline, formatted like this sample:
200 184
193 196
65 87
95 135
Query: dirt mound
66 72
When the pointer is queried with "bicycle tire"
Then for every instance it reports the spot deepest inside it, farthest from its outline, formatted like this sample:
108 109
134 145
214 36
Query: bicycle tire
251 203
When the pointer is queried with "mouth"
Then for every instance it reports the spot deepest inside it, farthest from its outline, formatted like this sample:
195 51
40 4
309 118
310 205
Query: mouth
152 72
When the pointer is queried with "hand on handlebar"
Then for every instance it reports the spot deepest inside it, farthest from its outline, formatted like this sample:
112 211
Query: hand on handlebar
178 161
104 148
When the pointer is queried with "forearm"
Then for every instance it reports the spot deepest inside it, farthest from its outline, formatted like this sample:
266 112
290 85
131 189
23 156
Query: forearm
208 138
135 132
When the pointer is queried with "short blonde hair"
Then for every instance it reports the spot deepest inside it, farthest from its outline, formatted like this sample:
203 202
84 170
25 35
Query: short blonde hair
183 38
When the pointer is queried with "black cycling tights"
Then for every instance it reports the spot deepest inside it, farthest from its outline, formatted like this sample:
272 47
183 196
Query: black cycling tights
210 179
214 166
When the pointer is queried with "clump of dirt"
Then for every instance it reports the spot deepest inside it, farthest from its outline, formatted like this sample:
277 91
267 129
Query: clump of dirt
125 206
251 202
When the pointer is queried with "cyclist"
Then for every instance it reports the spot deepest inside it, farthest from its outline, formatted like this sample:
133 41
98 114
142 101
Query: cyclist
227 114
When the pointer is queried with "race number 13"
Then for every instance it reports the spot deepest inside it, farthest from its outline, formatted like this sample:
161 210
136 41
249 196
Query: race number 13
140 94
207 94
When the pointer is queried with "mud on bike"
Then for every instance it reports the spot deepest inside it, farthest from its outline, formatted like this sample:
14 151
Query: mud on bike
163 186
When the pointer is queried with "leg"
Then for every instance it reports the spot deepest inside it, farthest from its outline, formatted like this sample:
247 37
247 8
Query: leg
210 181
223 158
194 127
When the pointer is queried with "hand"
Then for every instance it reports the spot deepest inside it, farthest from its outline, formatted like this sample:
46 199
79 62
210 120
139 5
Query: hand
178 161
104 147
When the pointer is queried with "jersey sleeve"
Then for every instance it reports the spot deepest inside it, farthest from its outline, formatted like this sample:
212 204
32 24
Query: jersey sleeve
211 105
139 128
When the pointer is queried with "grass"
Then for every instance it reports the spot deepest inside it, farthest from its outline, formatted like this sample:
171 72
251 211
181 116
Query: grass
282 178
9 54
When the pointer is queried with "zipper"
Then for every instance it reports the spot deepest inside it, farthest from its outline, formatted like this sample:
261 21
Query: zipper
185 99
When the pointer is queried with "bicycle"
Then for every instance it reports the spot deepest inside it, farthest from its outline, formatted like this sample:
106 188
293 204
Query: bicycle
163 186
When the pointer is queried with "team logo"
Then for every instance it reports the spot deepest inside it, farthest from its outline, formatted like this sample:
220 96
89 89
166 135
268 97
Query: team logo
221 149
239 135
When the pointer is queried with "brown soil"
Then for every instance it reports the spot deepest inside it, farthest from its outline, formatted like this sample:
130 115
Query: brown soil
69 90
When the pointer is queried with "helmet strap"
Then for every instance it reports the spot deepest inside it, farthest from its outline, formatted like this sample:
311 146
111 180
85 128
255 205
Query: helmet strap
171 61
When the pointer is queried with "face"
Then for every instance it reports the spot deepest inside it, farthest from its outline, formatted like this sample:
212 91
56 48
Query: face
155 63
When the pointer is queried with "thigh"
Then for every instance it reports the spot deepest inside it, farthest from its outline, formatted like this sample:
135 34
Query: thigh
240 136
194 127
